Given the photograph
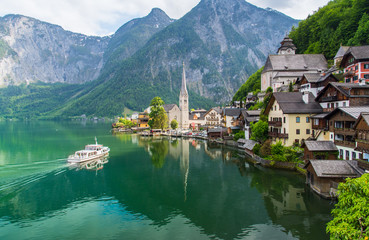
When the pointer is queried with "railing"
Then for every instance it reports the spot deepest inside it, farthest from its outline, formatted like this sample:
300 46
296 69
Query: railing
329 99
344 131
345 143
282 135
278 135
272 134
275 123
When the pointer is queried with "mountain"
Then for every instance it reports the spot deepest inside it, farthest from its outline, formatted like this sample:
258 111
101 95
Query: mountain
340 22
134 34
32 50
221 42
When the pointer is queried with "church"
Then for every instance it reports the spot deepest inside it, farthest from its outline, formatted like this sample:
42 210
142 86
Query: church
181 113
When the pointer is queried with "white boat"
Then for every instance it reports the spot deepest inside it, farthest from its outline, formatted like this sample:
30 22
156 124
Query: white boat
91 152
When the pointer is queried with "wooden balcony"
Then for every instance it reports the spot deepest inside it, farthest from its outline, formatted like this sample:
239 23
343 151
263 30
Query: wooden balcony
329 99
278 135
272 134
345 143
275 123
344 131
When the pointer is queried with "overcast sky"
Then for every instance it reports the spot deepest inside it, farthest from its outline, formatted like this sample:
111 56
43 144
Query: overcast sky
104 17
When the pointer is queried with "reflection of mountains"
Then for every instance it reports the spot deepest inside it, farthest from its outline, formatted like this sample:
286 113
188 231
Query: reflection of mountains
213 196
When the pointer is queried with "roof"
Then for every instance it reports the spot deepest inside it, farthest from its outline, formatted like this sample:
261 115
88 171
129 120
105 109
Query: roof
300 62
352 111
363 115
252 119
247 144
320 146
217 109
321 115
341 51
288 74
215 130
232 111
168 107
344 88
317 77
253 112
333 168
358 52
192 115
291 102
287 43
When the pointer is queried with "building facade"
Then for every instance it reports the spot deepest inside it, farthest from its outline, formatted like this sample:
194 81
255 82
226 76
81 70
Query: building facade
355 62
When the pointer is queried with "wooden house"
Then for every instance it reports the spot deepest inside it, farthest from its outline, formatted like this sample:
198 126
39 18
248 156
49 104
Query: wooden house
214 133
341 130
314 82
247 145
323 176
343 95
320 150
361 129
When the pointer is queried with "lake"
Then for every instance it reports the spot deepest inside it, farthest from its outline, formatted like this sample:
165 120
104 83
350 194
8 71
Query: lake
148 188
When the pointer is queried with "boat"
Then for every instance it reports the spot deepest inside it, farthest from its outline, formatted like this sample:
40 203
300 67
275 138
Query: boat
91 152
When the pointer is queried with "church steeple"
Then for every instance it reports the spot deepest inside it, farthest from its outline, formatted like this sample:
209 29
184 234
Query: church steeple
183 88
183 102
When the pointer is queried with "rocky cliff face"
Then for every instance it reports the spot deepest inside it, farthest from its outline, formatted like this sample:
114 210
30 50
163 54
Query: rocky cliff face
37 51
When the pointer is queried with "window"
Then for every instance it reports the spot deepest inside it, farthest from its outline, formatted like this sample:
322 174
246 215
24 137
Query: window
316 121
347 155
366 76
307 131
355 78
297 119
341 153
284 119
307 119
353 155
344 104
348 80
356 67
366 66
298 131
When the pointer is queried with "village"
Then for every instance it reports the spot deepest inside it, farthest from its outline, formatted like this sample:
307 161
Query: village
316 116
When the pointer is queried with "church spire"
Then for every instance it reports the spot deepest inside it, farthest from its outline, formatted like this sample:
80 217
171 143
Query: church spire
183 88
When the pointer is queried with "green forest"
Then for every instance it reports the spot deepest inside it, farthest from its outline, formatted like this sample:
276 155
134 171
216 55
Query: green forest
343 22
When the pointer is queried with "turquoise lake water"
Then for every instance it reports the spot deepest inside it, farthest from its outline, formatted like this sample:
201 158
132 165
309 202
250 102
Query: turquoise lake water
147 189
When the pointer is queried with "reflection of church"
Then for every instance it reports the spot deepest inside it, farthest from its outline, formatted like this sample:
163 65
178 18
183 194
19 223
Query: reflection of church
181 113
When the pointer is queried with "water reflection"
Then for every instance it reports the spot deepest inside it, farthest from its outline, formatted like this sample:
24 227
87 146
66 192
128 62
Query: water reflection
93 165
155 188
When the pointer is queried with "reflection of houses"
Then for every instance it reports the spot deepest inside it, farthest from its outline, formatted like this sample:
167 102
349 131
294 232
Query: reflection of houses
355 61
324 150
292 201
341 128
213 117
285 67
323 176
361 128
289 116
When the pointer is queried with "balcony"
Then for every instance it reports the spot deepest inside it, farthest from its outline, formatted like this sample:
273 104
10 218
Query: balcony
272 134
344 131
278 135
275 123
349 74
282 135
329 99
345 143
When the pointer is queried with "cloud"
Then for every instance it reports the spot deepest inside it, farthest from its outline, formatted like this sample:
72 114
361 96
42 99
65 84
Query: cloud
93 17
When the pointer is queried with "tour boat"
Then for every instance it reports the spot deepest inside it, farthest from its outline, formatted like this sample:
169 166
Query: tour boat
91 151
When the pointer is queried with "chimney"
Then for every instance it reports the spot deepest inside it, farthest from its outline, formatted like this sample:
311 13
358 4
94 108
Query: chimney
305 97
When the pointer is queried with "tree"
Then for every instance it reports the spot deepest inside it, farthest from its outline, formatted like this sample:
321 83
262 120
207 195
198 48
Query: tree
290 87
174 124
259 131
158 116
351 215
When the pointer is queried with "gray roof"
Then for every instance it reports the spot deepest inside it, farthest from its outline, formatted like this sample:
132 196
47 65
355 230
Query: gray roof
253 112
247 144
359 52
291 102
192 115
252 119
341 51
352 111
168 107
321 115
212 130
232 111
321 146
217 109
288 74
334 168
287 43
300 62
344 88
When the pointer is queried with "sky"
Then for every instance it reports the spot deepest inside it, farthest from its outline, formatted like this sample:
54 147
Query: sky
104 17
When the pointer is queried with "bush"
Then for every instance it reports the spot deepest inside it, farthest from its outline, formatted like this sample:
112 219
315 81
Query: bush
240 134
265 150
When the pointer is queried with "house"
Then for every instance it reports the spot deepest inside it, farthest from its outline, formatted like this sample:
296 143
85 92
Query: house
339 55
197 119
320 127
343 95
355 62
319 150
314 82
289 116
341 130
213 117
173 113
361 128
247 144
214 133
323 176
286 67
230 115
143 120
246 118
